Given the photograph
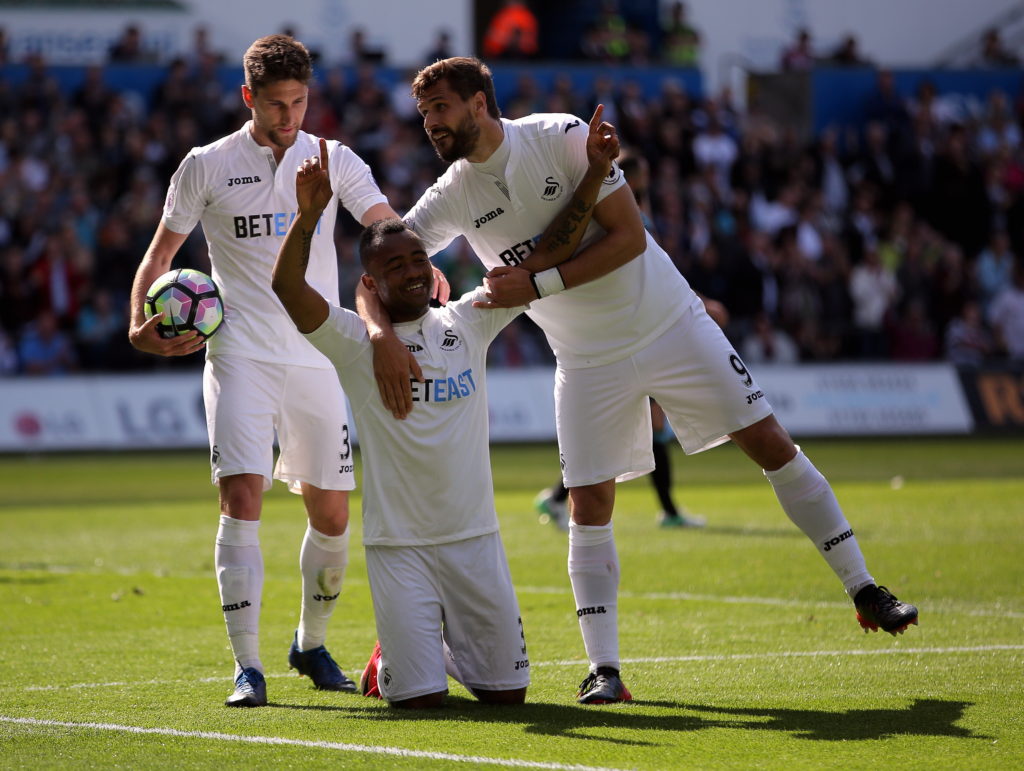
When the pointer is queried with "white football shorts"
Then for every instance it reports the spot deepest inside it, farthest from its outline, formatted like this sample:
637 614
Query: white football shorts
602 415
460 593
248 401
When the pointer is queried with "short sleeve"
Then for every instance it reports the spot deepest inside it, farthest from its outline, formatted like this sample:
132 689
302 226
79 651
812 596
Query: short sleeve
186 196
430 220
574 147
355 186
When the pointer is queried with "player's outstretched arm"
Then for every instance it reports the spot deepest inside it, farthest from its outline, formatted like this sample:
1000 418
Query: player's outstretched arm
511 286
142 333
306 306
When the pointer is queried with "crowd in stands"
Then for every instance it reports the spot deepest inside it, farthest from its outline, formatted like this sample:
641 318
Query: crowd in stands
899 240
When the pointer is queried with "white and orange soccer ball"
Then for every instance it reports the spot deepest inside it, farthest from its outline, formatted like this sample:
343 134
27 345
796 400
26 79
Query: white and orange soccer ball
190 299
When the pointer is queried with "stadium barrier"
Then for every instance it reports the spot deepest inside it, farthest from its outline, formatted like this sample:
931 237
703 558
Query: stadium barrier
165 411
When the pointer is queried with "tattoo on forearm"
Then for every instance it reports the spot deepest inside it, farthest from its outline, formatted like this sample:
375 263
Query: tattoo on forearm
569 223
306 244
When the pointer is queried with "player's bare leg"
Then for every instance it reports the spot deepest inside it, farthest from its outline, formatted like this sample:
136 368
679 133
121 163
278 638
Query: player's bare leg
322 561
239 565
808 500
594 574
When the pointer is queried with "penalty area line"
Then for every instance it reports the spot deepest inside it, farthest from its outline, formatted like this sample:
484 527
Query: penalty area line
283 741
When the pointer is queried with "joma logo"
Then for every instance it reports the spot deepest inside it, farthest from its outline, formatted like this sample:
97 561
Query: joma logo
232 181
487 217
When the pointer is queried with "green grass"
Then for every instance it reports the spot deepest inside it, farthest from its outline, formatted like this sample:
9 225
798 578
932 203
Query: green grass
738 643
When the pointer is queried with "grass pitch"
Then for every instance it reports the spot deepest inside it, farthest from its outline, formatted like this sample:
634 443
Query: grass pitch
737 641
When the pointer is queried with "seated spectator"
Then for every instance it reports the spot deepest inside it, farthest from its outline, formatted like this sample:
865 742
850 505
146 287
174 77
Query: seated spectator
848 55
441 49
515 347
767 345
680 46
1006 315
912 336
45 349
129 48
993 53
8 356
99 330
993 270
968 343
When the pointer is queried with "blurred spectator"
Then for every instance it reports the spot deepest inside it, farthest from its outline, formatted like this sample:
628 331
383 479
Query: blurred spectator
129 48
514 347
100 330
798 56
680 43
361 51
847 54
8 356
874 292
441 48
959 204
912 336
45 349
1006 314
993 270
968 343
993 53
512 32
767 345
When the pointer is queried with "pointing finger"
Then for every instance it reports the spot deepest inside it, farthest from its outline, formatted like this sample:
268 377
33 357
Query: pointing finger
596 120
323 153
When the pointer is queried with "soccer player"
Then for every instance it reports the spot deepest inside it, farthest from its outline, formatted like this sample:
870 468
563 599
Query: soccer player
261 375
441 588
624 326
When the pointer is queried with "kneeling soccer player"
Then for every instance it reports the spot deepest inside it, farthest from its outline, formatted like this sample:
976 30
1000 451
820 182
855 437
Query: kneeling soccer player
441 587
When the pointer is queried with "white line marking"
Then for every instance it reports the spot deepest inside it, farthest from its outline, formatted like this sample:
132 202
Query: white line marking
792 655
645 660
772 601
280 740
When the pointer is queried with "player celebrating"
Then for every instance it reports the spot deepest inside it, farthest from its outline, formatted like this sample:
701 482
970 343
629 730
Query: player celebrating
261 375
624 326
434 557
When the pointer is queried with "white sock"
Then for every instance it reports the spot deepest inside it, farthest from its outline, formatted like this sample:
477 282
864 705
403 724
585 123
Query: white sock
239 565
808 500
322 561
594 573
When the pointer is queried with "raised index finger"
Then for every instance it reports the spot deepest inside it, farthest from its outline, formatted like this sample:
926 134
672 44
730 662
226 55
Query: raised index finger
595 122
323 153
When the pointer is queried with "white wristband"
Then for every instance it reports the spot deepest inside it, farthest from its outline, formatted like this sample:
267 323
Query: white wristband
548 282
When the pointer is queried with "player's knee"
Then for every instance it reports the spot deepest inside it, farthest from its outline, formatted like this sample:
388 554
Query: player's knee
767 443
327 509
593 504
241 496
514 696
427 701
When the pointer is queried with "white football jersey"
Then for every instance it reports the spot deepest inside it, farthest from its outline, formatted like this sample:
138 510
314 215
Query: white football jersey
596 323
426 479
246 202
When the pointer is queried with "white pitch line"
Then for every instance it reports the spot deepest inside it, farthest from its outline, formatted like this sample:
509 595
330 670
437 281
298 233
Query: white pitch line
644 660
283 741
772 601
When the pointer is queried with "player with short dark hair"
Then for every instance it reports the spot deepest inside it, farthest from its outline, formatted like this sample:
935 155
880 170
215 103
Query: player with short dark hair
442 592
624 326
262 378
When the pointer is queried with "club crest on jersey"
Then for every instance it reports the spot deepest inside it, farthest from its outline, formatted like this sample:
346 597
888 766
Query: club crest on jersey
552 189
613 175
232 181
451 342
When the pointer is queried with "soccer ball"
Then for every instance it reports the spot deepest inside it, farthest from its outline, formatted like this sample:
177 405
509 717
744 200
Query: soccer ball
191 301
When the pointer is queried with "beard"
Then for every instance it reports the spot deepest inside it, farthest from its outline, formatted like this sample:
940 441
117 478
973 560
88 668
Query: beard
462 141
282 140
